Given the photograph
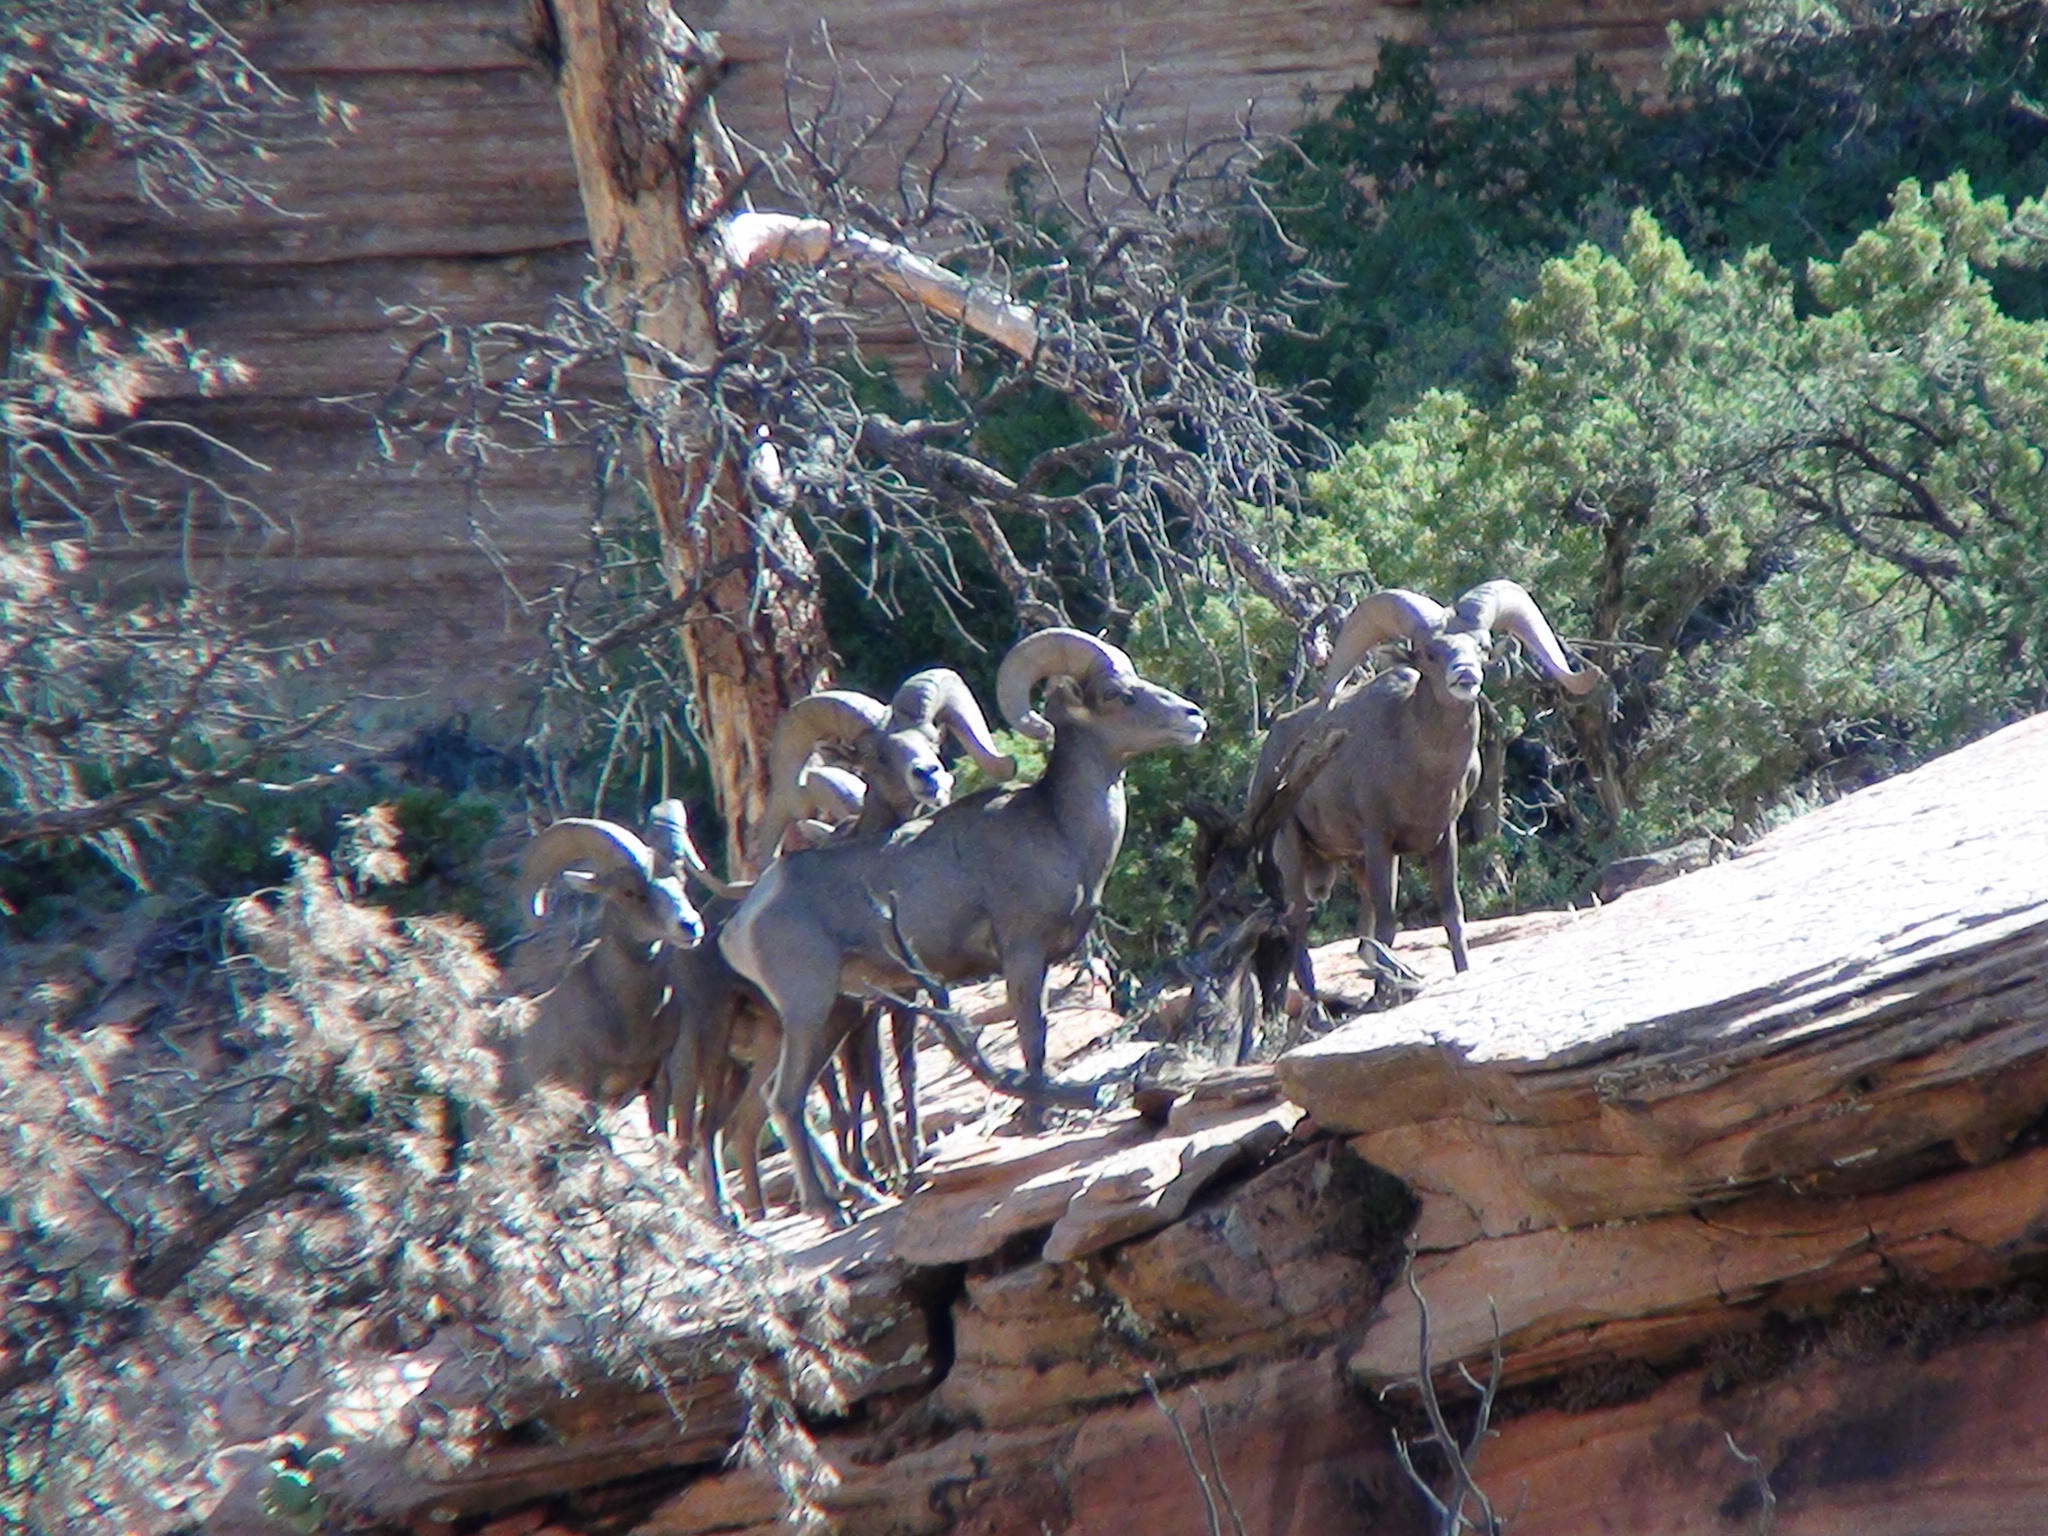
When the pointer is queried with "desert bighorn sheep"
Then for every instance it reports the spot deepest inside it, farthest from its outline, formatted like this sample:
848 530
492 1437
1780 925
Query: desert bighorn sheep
1005 881
720 1030
894 748
597 1030
1409 761
895 753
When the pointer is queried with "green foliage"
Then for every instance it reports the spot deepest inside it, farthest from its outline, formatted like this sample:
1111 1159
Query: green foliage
1227 652
1788 127
238 842
1804 540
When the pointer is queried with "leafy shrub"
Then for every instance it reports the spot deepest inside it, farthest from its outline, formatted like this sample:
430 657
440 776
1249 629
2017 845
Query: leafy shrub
1787 127
1806 542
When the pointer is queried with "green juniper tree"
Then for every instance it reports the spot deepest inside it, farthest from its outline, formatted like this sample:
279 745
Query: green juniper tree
1793 533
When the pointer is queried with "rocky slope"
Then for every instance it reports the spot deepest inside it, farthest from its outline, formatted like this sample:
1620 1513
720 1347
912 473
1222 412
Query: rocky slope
455 195
1748 1165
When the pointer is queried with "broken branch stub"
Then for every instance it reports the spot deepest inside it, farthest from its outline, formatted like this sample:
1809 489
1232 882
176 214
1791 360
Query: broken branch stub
754 239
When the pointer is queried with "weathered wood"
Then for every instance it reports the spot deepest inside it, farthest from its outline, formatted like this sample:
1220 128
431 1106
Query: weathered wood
655 170
754 239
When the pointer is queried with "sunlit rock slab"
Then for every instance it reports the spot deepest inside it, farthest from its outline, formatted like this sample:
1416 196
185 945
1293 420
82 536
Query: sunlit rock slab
1861 991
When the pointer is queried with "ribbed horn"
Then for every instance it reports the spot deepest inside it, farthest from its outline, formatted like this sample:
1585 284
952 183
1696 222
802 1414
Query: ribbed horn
939 698
1052 653
668 826
574 840
837 715
1507 605
1392 614
828 794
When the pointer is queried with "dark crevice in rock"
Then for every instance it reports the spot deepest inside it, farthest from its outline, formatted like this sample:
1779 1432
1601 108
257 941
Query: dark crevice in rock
1918 1321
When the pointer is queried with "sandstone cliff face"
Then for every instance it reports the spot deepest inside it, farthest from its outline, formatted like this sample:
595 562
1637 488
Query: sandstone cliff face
1742 1174
455 194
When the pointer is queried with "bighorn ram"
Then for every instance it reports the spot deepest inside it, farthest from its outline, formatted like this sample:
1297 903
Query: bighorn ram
894 748
1409 761
1006 881
597 1031
895 753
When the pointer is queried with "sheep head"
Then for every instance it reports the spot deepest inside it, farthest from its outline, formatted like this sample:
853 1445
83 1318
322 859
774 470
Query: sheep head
1454 664
827 800
830 795
938 701
1450 647
1089 680
608 861
675 851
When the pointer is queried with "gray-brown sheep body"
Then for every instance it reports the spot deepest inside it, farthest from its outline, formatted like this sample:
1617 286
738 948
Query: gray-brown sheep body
1005 882
1408 763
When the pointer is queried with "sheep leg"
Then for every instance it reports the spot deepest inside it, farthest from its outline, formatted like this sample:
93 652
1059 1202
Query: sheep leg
860 1061
1273 957
1024 971
672 1109
803 1059
720 1085
1375 871
903 1032
844 1092
1443 878
1250 1008
744 1135
874 1085
849 1021
808 1041
1304 968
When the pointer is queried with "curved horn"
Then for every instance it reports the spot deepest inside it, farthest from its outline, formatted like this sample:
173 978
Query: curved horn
1052 653
838 715
1507 605
829 794
602 845
1392 614
939 698
668 826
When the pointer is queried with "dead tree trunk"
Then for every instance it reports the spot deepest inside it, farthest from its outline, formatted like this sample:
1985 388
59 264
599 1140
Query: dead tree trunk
656 171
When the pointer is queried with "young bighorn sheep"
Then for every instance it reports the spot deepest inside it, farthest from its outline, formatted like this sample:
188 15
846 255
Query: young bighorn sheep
894 748
1005 881
597 1030
719 1027
1409 762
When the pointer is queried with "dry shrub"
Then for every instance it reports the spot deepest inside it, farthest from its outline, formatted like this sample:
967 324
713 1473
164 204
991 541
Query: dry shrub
209 1231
